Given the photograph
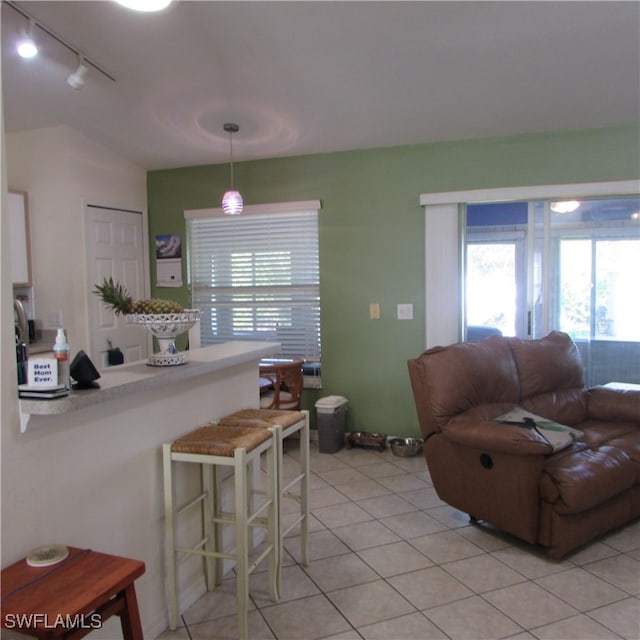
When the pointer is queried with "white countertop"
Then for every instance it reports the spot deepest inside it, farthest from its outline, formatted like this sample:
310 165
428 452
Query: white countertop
135 377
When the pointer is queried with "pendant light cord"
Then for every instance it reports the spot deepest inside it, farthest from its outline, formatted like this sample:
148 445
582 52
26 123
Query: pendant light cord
231 156
231 128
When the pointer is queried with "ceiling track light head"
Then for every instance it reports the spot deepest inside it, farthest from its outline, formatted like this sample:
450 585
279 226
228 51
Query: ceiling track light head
76 79
26 46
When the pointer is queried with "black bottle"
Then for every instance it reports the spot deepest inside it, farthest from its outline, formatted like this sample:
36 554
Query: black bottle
21 357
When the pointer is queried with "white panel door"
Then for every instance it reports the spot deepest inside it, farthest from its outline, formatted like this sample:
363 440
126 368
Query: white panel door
115 249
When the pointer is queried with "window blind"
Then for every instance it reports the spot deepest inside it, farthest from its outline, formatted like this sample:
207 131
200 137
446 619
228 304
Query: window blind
256 277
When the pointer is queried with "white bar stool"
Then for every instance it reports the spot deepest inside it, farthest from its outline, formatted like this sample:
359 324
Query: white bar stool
286 424
212 447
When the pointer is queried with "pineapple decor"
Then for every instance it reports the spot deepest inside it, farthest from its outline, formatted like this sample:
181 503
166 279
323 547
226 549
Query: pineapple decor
164 319
118 298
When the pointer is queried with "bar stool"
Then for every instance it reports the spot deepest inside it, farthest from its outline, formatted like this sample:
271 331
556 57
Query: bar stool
213 447
286 424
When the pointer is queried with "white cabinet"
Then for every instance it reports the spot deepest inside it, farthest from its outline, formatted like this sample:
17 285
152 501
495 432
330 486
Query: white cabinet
19 238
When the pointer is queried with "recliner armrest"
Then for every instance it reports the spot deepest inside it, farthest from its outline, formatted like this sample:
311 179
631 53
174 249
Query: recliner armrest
604 403
490 436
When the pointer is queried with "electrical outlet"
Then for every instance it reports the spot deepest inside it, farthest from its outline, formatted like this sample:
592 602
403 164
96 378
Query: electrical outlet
405 312
374 311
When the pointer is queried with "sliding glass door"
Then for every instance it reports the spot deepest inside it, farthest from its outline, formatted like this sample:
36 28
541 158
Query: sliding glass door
496 270
531 267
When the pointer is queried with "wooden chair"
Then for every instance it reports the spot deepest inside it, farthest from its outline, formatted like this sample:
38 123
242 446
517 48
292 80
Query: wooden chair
286 382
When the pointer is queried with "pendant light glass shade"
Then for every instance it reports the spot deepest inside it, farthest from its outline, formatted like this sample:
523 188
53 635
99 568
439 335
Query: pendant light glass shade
232 203
231 200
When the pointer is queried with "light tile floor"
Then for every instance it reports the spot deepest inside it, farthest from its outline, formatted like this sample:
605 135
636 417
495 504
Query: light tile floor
390 561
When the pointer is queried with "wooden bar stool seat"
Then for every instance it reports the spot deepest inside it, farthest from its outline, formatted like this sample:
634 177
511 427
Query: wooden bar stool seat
214 447
297 488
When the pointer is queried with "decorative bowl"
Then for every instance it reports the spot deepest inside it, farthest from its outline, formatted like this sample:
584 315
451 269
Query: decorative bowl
165 327
406 447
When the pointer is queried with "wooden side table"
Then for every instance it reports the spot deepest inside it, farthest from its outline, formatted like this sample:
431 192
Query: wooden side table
72 598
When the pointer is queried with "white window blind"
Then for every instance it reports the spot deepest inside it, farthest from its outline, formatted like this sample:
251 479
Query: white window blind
255 276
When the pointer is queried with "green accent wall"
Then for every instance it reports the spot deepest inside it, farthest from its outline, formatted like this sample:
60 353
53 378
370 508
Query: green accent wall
371 234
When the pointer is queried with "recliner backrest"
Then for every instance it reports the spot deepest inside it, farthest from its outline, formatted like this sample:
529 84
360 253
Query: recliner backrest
551 377
449 380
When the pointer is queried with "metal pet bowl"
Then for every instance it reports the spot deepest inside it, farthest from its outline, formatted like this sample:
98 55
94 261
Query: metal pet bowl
406 447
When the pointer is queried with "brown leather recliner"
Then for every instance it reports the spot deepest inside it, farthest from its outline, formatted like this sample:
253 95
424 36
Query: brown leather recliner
509 476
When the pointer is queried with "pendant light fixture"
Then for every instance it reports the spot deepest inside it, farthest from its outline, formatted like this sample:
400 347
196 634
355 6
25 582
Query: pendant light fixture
231 200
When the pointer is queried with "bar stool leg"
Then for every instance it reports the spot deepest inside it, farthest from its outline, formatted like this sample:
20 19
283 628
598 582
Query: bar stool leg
242 559
273 529
250 504
303 498
170 536
208 526
304 489
279 463
216 508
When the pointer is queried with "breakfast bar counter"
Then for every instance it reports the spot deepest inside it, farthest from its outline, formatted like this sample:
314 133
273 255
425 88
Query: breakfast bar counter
137 377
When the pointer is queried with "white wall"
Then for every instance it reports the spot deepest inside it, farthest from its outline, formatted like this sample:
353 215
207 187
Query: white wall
93 479
62 170
49 490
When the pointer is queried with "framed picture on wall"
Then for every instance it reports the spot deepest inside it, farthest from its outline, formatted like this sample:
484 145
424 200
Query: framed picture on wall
168 260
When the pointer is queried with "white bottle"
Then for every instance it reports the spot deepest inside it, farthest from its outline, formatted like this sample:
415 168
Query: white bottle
61 353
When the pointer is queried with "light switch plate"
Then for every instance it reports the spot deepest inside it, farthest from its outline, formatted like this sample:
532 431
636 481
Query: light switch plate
405 312
374 311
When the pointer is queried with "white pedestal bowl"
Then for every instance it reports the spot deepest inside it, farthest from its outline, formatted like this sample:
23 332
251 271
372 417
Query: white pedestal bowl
165 327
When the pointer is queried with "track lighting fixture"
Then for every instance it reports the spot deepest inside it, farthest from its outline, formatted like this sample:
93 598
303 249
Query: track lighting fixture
231 200
26 46
76 79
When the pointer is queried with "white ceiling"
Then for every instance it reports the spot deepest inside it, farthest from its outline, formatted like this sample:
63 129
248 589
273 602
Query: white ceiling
309 77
